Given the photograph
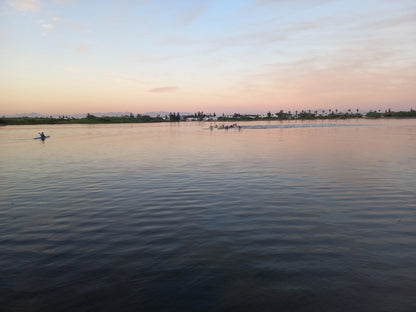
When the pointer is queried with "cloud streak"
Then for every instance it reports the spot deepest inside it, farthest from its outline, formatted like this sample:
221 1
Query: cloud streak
164 89
25 5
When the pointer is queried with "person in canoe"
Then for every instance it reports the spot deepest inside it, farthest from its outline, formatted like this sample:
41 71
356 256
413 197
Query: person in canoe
42 135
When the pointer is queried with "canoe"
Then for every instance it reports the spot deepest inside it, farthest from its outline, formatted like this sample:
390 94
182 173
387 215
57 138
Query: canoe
40 138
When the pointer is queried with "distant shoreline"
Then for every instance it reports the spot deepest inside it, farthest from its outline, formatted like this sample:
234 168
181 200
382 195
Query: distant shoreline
172 117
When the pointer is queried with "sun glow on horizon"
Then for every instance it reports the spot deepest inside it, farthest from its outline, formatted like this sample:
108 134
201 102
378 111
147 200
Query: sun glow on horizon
67 57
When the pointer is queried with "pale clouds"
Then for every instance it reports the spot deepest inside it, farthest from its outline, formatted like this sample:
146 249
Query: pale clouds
405 18
164 89
47 27
311 52
25 5
56 23
359 72
258 38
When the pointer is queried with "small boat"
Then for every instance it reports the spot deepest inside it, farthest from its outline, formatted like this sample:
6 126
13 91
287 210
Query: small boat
42 138
224 127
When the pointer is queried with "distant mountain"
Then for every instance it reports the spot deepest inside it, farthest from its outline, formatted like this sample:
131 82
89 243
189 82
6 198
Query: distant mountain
27 115
109 114
97 114
155 114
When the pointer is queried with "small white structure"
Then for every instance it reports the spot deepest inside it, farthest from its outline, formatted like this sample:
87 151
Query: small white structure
210 118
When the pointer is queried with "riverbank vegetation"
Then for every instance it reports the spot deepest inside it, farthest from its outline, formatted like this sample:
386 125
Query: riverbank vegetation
200 116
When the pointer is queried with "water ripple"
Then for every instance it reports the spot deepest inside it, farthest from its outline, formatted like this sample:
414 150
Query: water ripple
182 219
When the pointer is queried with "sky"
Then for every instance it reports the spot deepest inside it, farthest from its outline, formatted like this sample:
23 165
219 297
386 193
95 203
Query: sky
222 56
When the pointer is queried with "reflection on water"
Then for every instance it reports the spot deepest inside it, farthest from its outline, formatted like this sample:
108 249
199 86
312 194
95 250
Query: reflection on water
280 216
314 124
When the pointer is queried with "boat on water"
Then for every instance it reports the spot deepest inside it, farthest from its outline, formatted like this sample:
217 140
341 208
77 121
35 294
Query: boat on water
42 137
225 127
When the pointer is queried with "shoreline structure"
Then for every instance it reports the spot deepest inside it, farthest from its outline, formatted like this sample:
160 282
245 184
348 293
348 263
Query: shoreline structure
200 116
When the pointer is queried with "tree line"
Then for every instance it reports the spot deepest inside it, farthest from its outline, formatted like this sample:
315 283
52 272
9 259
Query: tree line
201 116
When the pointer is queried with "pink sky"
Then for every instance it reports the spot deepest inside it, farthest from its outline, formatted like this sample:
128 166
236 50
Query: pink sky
64 57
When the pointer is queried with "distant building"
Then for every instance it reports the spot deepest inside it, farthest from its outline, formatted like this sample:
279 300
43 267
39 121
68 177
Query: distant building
210 118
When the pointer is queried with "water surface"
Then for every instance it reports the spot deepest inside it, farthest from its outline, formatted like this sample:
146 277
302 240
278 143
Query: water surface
277 216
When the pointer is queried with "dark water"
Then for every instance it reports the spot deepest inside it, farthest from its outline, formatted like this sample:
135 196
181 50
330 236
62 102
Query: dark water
175 217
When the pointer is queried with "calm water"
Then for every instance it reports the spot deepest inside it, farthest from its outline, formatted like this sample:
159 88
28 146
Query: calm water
280 216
